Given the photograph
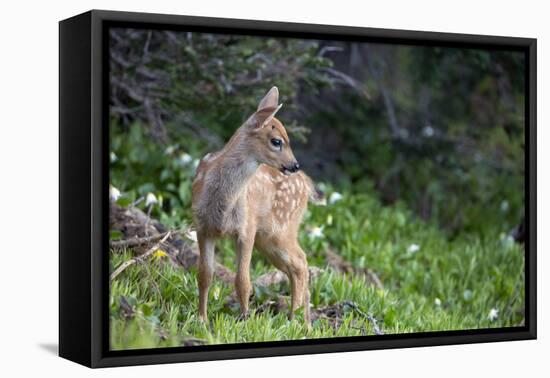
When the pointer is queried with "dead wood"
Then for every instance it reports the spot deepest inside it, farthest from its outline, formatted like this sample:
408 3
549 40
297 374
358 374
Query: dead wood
335 314
135 241
192 341
139 258
139 229
339 264
280 304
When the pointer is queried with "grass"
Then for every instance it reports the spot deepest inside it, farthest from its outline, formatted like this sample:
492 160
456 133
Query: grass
431 283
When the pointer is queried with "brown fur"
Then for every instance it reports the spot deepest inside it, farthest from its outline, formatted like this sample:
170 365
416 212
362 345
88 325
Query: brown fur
241 192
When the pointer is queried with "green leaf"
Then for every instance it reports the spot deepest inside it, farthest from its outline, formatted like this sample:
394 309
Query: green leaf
146 309
115 235
124 201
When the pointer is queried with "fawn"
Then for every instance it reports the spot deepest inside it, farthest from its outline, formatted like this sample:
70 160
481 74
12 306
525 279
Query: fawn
252 190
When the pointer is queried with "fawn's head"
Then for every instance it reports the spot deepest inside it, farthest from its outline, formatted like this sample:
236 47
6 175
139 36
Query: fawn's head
269 142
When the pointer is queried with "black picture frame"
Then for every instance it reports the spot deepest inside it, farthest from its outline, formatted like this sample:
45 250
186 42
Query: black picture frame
84 205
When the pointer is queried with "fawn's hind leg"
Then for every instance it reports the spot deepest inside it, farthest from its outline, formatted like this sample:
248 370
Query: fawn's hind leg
206 271
291 260
298 274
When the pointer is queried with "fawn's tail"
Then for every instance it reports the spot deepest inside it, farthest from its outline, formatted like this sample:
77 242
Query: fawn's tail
316 195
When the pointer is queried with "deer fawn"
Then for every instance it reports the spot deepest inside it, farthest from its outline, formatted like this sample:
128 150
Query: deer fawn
251 190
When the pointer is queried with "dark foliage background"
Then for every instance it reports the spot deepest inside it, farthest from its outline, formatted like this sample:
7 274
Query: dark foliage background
439 129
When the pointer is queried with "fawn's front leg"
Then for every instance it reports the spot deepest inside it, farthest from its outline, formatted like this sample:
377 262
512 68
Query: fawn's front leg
243 287
206 271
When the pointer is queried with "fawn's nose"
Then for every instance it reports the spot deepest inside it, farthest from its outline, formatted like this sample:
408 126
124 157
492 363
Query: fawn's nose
291 168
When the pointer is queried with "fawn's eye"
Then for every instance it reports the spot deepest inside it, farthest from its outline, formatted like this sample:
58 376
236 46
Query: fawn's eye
276 143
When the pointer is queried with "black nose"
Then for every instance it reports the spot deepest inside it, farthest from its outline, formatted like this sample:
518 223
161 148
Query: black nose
296 167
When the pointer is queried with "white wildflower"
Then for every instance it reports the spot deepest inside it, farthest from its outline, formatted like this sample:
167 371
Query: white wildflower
185 158
413 248
507 240
150 199
428 131
170 149
504 206
493 314
316 232
322 187
216 292
113 157
191 235
335 197
196 163
437 302
114 193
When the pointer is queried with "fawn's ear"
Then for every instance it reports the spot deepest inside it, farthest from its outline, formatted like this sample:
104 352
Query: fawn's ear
271 99
267 109
262 117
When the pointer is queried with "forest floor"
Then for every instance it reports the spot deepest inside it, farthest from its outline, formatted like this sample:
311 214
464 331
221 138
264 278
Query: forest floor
375 270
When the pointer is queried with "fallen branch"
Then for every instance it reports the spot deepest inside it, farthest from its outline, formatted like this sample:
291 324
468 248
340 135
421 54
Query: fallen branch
369 317
139 258
134 242
193 341
334 314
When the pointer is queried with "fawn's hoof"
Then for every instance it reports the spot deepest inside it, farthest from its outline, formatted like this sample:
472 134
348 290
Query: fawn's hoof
243 316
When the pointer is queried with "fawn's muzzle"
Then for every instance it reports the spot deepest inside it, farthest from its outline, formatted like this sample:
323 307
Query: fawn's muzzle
294 167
